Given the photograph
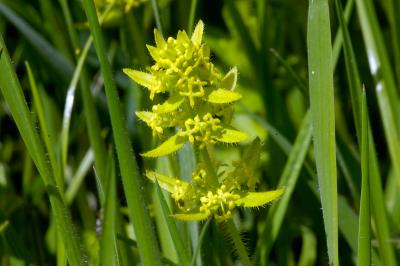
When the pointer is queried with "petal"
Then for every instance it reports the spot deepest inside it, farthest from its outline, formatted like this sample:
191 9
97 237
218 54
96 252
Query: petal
190 216
255 199
170 105
230 79
231 135
169 146
221 96
145 79
198 33
166 182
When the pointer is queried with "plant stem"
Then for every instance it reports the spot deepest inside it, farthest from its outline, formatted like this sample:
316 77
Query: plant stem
231 228
241 249
132 182
209 166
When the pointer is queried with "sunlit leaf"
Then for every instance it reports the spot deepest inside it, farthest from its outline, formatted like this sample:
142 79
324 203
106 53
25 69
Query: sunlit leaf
166 182
145 79
198 33
169 146
231 135
170 105
160 42
190 216
255 199
230 79
223 96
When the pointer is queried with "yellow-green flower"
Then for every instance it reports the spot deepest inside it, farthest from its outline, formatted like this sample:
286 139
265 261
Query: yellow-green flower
198 95
115 9
203 197
197 108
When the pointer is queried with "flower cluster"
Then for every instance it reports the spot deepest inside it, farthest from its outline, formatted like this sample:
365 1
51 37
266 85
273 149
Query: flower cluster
115 9
193 103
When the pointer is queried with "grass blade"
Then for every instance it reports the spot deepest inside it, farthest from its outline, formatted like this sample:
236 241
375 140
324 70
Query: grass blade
323 117
288 180
13 95
108 244
364 238
377 202
147 243
77 179
49 140
199 242
58 62
382 72
180 248
69 103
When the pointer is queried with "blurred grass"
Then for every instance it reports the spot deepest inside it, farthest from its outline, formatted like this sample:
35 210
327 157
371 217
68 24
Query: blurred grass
52 37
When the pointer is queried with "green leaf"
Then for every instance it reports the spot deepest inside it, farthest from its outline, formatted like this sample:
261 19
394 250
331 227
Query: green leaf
170 105
166 182
145 79
131 179
377 202
187 217
59 63
153 52
108 242
160 42
198 33
231 135
173 230
288 180
171 145
323 118
364 235
13 95
230 80
221 96
256 199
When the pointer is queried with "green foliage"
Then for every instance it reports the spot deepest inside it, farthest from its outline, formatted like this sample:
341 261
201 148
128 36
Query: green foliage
243 140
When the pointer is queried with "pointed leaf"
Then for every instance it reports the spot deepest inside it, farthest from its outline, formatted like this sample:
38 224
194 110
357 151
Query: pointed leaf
230 79
166 182
145 79
198 33
169 146
190 216
160 42
153 52
146 116
256 199
170 105
223 96
231 135
182 37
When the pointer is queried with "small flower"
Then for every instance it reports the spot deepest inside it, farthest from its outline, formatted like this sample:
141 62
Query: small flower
198 108
199 199
113 10
198 95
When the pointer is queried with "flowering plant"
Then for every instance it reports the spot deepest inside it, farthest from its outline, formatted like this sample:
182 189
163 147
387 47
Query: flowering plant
198 106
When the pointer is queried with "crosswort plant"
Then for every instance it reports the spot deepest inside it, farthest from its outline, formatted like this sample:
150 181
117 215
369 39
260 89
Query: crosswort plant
196 107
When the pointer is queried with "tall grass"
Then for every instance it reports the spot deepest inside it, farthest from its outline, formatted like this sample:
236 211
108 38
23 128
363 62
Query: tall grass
72 187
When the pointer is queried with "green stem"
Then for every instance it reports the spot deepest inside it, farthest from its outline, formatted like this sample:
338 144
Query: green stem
192 15
132 181
237 241
231 228
209 166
